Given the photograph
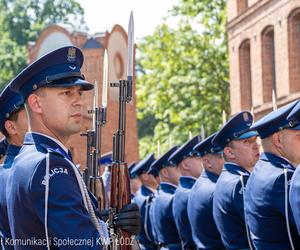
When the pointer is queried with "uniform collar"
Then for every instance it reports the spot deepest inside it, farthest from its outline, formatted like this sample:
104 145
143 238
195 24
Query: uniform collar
187 181
276 160
167 186
233 167
210 175
146 190
53 139
13 149
12 152
46 142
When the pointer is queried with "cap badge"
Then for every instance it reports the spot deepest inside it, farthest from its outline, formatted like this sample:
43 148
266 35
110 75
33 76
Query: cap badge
71 54
246 117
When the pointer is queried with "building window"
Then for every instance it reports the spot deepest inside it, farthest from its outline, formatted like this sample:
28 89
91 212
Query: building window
294 50
242 5
268 63
245 75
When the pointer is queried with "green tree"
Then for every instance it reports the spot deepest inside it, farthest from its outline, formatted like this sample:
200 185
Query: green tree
22 20
184 80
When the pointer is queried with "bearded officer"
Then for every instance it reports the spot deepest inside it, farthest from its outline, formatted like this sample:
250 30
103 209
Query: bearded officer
13 124
49 201
266 197
190 167
161 213
240 151
143 199
200 202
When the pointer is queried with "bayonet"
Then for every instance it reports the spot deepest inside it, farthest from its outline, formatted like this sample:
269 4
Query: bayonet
105 80
223 117
130 47
274 99
202 132
158 148
190 135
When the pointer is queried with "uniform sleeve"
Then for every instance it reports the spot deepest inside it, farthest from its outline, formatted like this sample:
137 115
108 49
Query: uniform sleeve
279 197
68 220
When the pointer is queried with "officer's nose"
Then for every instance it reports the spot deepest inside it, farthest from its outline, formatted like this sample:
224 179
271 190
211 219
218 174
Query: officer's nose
78 100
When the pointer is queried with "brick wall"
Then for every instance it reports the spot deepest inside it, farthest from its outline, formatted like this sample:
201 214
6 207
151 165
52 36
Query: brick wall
253 25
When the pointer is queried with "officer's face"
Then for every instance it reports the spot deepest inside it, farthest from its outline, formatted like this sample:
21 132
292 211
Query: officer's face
135 185
194 165
56 111
17 127
243 152
61 110
213 163
22 125
173 174
289 143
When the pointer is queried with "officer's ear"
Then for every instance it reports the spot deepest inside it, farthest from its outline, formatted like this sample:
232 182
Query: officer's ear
207 161
34 103
277 140
184 165
10 127
164 173
228 152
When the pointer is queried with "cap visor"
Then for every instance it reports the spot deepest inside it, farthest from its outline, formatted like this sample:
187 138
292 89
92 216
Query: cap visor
85 85
247 135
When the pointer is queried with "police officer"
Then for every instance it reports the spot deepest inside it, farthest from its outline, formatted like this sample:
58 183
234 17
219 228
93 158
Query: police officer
294 118
13 124
240 152
161 214
200 202
266 197
143 199
48 201
135 182
190 167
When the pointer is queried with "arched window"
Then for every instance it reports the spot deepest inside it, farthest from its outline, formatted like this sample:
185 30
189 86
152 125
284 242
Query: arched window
242 5
268 63
294 50
245 74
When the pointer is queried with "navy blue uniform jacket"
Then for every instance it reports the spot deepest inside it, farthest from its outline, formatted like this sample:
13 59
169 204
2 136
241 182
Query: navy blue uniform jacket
264 204
68 219
180 211
143 199
228 206
200 213
12 152
164 223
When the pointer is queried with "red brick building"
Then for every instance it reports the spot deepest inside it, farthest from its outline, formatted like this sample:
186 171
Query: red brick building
93 48
264 53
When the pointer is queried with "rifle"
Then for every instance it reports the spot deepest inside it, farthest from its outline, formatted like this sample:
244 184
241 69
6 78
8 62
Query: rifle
120 182
92 176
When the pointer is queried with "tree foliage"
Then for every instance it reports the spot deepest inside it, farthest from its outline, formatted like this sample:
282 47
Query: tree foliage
22 20
184 80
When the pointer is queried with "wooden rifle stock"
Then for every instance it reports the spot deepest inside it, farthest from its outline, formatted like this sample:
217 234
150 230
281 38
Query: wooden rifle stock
120 182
